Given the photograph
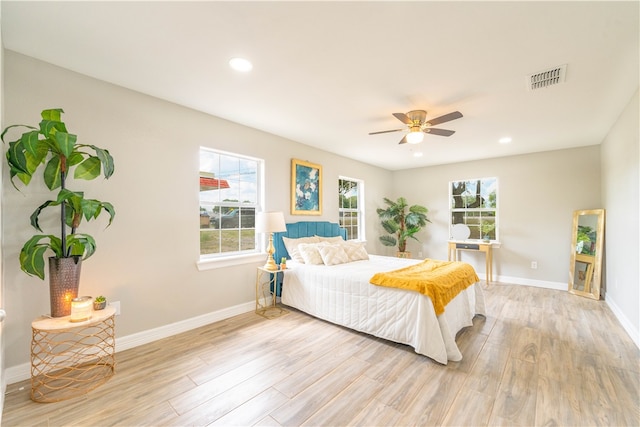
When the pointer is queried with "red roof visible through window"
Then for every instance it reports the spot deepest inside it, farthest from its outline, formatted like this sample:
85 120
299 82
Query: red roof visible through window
212 183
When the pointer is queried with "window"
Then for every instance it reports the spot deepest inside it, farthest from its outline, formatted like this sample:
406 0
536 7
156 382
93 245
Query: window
230 195
350 207
475 203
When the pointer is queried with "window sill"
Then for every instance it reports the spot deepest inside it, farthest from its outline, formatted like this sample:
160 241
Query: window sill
213 263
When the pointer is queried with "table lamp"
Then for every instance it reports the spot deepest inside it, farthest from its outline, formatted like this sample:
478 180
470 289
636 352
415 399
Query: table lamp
270 222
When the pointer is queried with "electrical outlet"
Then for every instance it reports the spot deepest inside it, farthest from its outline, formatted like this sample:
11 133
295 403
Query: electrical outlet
116 304
534 264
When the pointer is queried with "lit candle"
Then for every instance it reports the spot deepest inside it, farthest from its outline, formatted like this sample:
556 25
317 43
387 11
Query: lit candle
81 309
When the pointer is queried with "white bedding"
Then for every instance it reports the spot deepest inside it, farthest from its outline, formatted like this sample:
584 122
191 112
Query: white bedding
342 294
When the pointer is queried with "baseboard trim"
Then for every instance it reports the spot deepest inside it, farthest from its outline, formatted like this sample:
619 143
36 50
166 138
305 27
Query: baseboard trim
22 372
531 282
634 334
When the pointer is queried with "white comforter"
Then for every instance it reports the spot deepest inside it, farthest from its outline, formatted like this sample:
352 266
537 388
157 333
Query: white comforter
342 294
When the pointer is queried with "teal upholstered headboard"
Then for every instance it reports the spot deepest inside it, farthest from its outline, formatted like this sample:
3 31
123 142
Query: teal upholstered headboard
302 229
305 229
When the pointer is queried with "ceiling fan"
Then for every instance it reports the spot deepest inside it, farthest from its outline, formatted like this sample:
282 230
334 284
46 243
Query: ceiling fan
418 126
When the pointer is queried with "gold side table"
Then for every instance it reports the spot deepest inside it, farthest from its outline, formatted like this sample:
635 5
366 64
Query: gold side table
70 359
266 289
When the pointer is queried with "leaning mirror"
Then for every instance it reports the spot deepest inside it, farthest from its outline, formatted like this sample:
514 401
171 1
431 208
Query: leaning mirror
587 242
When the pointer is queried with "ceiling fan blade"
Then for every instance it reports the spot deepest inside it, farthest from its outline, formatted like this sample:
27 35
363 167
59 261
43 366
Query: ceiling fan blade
403 140
403 118
385 131
440 132
445 118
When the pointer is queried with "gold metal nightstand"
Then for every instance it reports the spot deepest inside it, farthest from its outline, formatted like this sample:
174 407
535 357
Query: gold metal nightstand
266 289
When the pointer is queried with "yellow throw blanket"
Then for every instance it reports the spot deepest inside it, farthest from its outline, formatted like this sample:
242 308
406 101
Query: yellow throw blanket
439 280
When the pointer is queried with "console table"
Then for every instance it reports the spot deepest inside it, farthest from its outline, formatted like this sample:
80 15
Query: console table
455 246
70 359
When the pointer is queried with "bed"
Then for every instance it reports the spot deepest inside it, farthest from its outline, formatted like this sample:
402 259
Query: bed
341 293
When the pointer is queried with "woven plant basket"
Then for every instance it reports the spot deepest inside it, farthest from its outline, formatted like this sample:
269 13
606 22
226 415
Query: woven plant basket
64 281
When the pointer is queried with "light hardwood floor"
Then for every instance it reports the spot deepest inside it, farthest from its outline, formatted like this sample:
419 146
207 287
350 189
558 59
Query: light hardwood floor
540 357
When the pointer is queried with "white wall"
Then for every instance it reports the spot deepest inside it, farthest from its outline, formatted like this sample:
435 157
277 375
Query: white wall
3 377
537 194
147 258
620 194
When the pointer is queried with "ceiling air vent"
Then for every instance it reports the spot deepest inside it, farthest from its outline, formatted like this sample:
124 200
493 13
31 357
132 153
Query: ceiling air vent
547 78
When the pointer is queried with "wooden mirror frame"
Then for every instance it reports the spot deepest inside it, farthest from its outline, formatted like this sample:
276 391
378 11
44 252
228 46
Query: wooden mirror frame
585 267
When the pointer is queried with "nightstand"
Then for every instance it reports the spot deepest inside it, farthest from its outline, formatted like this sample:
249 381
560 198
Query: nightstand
266 289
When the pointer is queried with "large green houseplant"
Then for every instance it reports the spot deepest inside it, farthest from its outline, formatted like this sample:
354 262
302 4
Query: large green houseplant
50 147
402 222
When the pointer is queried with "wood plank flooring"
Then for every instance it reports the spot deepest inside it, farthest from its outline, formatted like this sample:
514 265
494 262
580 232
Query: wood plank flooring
540 358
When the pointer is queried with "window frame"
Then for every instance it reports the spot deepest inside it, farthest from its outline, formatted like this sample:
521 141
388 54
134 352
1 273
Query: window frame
360 214
228 258
479 211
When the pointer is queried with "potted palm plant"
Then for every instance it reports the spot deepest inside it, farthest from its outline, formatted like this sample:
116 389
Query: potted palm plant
402 222
50 147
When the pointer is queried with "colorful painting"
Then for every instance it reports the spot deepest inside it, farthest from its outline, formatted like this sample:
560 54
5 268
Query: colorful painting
306 188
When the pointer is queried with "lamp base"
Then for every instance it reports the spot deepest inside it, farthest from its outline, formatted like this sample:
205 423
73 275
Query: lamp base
271 264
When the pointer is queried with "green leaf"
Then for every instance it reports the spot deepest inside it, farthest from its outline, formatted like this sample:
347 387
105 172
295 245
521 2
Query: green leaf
73 198
31 141
66 142
388 240
110 209
52 114
35 159
34 216
74 159
16 157
81 244
50 127
106 159
88 169
32 255
91 208
52 173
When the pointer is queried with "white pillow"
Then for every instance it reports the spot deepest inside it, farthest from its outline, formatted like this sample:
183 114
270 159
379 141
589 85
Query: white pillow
292 246
333 254
355 251
310 253
334 239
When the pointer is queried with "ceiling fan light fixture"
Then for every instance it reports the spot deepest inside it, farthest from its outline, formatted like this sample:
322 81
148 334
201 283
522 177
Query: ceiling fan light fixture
415 137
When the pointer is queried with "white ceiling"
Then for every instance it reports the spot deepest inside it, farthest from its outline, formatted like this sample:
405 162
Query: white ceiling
328 73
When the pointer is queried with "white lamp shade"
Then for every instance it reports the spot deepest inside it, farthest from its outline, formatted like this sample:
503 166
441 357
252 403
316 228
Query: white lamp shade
270 222
415 137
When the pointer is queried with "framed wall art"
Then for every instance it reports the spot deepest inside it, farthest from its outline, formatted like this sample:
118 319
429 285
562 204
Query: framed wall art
306 188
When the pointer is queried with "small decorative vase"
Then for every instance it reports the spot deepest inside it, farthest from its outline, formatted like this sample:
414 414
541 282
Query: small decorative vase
64 281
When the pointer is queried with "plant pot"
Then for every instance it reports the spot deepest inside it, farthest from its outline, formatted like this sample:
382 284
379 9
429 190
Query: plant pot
403 254
64 281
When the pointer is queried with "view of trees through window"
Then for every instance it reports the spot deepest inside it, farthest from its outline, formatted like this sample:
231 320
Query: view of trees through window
229 199
350 215
474 202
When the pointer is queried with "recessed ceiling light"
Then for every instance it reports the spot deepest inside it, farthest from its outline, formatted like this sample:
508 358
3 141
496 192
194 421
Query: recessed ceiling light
240 64
504 140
